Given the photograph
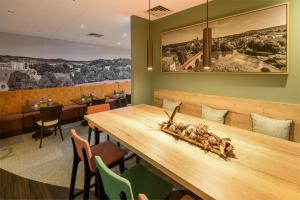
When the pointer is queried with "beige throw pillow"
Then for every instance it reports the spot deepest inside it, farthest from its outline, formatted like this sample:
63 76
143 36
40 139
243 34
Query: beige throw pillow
269 126
212 114
169 104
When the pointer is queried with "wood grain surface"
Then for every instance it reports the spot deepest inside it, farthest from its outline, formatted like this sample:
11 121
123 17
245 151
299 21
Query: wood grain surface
264 167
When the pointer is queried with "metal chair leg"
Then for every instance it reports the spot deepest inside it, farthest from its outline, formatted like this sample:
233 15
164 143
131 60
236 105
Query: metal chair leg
121 166
97 135
73 178
90 133
87 183
36 132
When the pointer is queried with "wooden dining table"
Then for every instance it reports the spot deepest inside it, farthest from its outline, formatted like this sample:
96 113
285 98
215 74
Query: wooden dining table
263 167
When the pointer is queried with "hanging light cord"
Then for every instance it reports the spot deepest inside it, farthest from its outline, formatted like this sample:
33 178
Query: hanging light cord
149 19
207 14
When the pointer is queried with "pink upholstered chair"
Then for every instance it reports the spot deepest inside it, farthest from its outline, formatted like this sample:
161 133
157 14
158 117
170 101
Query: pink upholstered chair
111 154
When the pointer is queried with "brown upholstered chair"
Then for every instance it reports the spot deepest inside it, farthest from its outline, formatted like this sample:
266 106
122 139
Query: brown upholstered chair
50 118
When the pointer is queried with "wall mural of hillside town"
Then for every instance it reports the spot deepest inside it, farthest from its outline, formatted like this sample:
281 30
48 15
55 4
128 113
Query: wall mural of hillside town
18 72
253 42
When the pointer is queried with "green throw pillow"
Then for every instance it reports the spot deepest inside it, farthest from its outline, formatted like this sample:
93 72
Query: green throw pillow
212 114
169 104
269 126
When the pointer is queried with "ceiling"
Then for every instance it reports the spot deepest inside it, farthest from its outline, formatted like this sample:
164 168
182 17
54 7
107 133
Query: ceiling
72 20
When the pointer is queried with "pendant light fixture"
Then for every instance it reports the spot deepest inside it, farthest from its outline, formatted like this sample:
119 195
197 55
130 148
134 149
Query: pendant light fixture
207 43
149 46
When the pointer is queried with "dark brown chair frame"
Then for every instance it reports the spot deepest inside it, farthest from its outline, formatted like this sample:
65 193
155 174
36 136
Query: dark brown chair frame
49 113
88 174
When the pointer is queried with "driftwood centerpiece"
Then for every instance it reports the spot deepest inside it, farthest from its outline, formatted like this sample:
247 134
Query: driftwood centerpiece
198 135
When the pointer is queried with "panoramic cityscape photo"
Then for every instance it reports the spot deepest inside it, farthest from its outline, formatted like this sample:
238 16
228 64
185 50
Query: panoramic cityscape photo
30 73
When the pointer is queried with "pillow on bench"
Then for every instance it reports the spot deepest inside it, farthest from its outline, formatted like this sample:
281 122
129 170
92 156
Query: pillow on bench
169 104
269 126
212 114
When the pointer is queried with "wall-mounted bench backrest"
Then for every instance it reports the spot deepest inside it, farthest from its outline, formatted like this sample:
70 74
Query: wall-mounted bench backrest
239 109
12 101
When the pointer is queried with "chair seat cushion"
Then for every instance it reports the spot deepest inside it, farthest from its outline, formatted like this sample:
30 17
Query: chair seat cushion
49 123
143 181
108 151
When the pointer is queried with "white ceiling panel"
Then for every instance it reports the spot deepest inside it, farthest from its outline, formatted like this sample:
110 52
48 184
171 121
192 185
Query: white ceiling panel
72 20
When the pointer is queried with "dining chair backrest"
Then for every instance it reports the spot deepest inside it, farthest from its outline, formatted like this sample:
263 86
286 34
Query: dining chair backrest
50 113
98 108
98 101
83 145
115 186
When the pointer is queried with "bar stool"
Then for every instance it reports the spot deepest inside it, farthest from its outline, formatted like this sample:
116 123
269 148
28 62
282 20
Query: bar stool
111 154
92 110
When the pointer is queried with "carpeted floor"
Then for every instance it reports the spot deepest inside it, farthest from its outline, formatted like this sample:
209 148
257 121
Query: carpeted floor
51 164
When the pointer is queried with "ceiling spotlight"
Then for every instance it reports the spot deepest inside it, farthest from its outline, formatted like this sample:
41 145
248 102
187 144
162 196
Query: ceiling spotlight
124 35
118 43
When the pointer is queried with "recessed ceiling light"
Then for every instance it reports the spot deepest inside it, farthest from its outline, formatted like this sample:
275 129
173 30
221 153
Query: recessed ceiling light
124 35
118 43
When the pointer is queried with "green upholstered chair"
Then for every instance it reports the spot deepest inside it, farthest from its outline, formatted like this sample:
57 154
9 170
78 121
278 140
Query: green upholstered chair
133 183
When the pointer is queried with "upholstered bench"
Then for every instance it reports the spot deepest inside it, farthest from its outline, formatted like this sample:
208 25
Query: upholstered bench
254 115
10 123
14 124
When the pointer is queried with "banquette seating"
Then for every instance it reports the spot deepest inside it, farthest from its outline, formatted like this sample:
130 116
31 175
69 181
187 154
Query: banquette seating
12 121
239 110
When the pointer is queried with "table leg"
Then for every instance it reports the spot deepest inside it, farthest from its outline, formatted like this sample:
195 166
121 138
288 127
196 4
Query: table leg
84 122
23 123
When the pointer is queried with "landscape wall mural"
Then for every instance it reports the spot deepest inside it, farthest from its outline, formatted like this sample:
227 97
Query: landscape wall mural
252 42
28 68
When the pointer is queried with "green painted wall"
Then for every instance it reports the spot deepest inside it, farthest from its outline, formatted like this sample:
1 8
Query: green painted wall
280 88
141 78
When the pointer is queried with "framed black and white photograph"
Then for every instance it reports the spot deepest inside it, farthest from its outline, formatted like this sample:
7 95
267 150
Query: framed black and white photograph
254 42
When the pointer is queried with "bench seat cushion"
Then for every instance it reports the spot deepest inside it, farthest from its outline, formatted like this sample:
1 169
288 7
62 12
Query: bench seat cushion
213 114
269 126
11 122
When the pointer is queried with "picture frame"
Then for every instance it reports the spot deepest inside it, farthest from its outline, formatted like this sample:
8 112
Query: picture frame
259 46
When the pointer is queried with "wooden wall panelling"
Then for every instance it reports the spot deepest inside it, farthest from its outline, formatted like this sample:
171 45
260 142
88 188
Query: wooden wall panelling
12 101
240 109
9 102
126 86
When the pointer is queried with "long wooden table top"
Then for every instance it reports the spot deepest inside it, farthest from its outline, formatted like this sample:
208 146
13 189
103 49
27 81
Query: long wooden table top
264 168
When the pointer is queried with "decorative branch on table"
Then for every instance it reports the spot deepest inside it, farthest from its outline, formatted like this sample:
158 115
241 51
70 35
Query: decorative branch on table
198 135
